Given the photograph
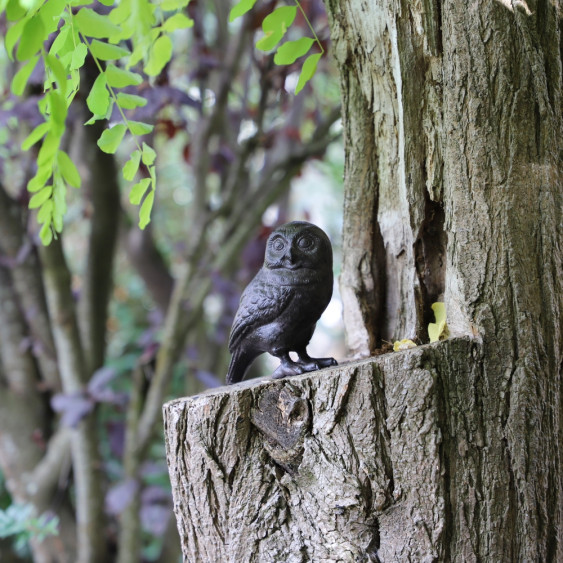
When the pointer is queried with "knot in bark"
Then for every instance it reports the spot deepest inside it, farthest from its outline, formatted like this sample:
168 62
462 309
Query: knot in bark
283 418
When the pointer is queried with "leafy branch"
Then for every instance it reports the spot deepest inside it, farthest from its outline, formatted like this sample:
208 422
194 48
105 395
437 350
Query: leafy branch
275 26
148 26
83 33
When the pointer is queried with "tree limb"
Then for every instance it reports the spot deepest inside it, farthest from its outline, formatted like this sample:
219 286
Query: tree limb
103 190
148 261
87 467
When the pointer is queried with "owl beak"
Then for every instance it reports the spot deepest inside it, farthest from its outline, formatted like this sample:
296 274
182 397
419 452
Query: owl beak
289 261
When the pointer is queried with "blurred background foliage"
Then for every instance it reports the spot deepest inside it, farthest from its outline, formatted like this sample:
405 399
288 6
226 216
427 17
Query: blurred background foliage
237 154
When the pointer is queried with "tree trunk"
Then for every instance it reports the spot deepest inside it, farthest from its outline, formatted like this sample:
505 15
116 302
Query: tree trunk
453 123
459 108
347 464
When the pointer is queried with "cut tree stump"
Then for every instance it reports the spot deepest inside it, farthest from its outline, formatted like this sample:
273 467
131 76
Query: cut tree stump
360 462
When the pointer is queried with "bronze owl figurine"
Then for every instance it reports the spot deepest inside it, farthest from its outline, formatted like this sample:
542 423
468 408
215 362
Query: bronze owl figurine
280 307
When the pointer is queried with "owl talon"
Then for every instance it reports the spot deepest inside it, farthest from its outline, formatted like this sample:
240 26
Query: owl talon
326 362
287 369
318 363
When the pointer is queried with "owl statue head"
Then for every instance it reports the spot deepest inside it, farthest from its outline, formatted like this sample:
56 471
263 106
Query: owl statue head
298 246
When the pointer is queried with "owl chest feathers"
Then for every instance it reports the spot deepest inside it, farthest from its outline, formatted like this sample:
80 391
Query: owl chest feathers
286 305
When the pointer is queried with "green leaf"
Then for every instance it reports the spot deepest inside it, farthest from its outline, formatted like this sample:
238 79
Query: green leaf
51 13
58 70
107 51
173 5
12 36
269 41
59 204
48 149
140 128
439 328
78 56
68 169
22 76
58 108
40 178
145 212
149 155
111 138
280 19
97 117
132 165
92 24
60 40
31 5
35 135
178 21
40 197
106 2
275 25
45 234
32 37
120 78
240 9
14 11
98 98
130 101
46 211
58 221
308 70
138 191
290 51
159 55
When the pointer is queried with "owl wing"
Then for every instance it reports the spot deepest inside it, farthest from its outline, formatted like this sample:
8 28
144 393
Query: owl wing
260 304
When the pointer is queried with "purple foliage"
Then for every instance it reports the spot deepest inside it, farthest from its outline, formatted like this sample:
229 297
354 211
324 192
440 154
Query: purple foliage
154 518
73 407
120 496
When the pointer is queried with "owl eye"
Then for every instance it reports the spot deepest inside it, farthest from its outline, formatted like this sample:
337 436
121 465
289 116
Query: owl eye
306 243
278 244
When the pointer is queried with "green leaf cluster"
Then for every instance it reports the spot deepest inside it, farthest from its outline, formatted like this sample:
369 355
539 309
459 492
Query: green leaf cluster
19 521
275 26
79 30
31 27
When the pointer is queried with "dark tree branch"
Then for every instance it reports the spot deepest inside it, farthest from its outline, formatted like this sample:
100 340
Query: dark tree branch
148 261
103 191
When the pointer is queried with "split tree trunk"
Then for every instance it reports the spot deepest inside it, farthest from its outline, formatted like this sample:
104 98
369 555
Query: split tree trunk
454 452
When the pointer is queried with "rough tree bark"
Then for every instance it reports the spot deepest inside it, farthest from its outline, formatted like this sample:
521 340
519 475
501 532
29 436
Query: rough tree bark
452 452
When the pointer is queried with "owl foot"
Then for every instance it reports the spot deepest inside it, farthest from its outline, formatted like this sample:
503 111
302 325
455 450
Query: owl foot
326 362
288 367
318 363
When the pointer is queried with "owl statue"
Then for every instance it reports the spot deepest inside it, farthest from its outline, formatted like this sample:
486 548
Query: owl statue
280 307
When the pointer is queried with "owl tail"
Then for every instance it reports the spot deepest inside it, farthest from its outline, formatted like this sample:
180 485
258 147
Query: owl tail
240 362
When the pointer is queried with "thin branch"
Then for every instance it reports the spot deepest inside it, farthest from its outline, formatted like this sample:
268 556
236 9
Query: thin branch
148 261
44 479
130 525
86 463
